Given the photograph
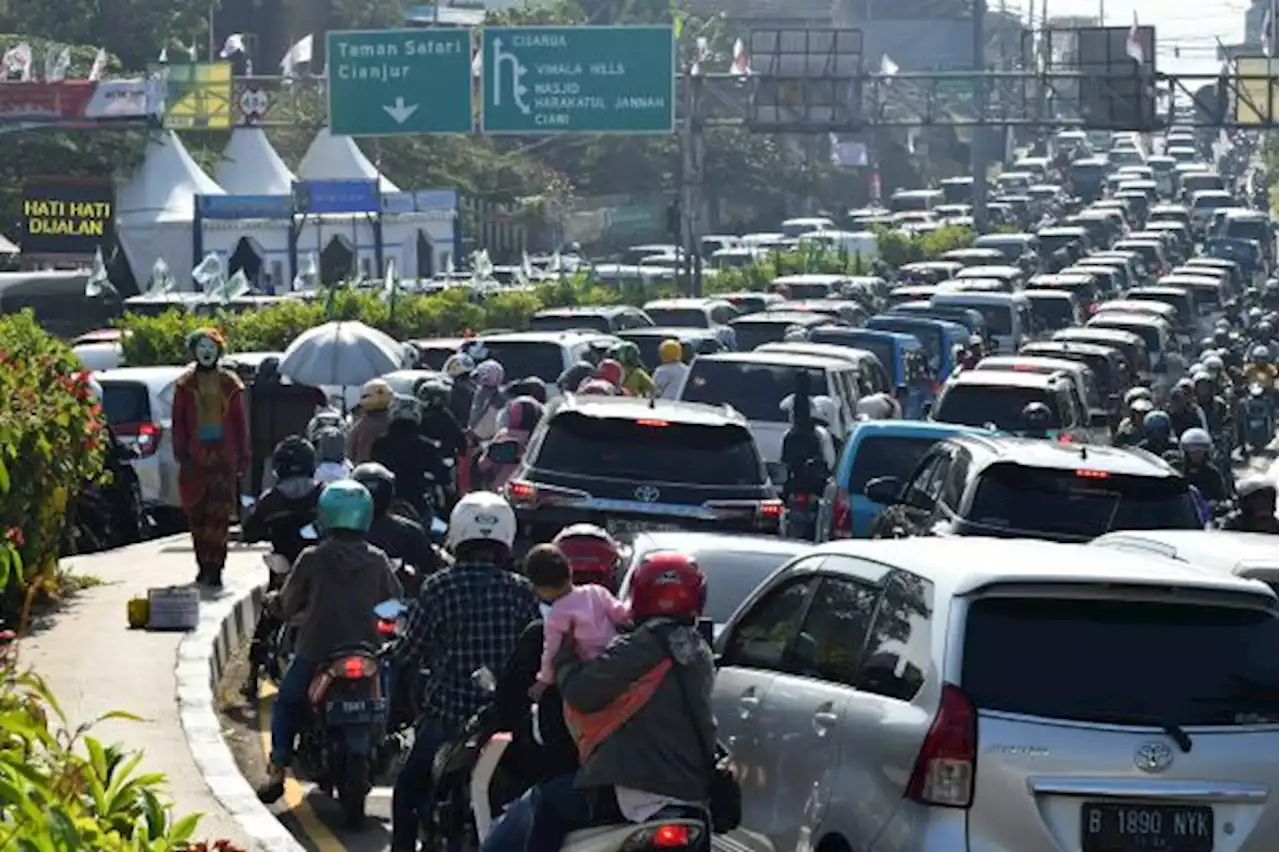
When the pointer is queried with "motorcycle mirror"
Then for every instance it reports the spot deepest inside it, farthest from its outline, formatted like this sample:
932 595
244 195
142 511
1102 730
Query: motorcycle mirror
247 501
438 530
707 628
484 679
390 610
309 533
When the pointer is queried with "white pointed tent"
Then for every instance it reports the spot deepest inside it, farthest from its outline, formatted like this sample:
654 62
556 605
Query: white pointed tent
250 166
155 208
337 158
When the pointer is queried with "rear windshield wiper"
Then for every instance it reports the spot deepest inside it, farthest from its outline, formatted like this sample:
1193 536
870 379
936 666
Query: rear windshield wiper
1173 729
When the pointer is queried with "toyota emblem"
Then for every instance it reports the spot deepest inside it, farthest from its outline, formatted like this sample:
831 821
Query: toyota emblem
1153 757
648 494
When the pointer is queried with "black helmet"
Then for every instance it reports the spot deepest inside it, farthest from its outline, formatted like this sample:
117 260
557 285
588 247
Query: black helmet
293 457
575 375
1036 416
378 481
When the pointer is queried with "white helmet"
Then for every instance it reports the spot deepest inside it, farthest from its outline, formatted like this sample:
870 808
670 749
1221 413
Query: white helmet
458 365
822 409
481 516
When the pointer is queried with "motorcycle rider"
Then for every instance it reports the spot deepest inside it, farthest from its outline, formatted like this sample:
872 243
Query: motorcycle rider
1129 433
614 373
397 536
331 452
1183 412
413 459
1261 368
375 399
669 375
488 401
1217 414
1197 467
515 425
463 390
280 515
333 589
530 386
1257 507
656 754
1156 429
636 381
466 618
808 450
1037 420
573 376
438 423
594 555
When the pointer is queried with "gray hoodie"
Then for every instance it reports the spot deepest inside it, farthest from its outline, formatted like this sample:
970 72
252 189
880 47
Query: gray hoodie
335 586
658 750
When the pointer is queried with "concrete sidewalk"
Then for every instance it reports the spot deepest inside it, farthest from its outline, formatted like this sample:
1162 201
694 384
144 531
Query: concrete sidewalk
95 664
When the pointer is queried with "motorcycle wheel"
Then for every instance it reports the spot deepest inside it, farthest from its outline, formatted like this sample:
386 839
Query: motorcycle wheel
352 789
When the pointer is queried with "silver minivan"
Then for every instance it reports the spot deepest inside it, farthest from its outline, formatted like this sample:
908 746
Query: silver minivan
993 695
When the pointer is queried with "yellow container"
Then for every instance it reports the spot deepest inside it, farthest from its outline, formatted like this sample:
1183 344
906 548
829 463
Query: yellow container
139 613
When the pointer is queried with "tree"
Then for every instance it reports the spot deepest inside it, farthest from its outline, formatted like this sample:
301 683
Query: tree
133 30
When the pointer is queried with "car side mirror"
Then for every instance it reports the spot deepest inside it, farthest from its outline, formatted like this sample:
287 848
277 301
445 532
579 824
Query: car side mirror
1099 420
885 490
926 410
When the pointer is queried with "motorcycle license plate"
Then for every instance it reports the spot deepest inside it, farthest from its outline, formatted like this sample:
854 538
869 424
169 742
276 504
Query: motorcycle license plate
1115 827
352 712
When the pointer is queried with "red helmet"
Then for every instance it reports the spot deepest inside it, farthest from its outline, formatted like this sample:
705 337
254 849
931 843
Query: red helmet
668 583
593 554
598 387
611 371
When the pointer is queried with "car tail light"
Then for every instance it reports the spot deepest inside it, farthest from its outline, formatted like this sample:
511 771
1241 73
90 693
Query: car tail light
769 510
654 423
945 767
519 491
1064 438
524 494
355 668
841 515
1084 473
146 436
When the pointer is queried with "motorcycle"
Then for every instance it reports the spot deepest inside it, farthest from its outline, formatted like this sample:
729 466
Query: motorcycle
472 786
1258 418
802 516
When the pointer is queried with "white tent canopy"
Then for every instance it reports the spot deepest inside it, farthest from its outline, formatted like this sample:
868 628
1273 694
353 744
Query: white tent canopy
339 158
155 208
250 166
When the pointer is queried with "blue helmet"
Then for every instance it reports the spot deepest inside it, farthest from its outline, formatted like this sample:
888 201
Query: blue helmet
345 505
1157 424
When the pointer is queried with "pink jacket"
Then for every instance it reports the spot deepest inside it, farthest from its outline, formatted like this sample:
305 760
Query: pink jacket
590 615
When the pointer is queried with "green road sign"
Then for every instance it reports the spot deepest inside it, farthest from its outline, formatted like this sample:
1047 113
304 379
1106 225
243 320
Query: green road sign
578 80
388 82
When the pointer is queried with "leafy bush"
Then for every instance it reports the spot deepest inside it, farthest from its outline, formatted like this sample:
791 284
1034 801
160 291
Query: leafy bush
450 313
51 444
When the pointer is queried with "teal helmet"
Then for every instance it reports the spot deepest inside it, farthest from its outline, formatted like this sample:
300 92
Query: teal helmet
345 505
626 353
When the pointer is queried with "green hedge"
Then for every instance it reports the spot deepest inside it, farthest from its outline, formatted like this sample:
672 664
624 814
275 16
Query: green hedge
160 339
51 443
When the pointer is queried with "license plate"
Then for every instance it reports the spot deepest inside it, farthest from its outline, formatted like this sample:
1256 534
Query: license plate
351 711
1111 827
620 526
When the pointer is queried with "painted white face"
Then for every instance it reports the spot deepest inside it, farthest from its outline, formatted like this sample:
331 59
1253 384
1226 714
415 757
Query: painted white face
206 352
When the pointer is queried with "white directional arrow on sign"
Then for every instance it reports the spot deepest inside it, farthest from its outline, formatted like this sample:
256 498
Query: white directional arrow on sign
400 111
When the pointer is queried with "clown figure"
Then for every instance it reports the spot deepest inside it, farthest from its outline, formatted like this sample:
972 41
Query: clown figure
211 444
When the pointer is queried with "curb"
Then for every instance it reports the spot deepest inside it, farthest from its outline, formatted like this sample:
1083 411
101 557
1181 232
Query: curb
225 622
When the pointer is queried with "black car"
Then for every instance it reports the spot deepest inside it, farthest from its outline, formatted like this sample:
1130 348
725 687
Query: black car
603 318
631 465
999 487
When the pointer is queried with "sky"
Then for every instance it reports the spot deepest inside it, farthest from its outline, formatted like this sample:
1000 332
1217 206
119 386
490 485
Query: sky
1190 25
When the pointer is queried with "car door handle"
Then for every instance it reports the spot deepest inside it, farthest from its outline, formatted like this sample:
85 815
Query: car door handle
824 719
749 700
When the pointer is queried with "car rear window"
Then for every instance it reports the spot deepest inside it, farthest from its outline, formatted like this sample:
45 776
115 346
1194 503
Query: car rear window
1114 660
1150 334
1053 314
882 349
885 455
618 448
809 290
1206 298
126 402
731 576
930 338
522 359
679 317
570 322
1080 504
753 389
755 333
999 406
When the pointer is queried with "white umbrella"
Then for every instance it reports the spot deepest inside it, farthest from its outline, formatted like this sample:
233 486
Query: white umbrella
341 354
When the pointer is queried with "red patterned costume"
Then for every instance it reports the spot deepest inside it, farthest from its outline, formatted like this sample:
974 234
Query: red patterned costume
211 444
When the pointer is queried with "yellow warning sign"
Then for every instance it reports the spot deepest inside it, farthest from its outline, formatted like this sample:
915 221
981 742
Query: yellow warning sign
197 95
1256 101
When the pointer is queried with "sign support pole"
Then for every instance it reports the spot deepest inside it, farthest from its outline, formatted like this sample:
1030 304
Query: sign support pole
979 151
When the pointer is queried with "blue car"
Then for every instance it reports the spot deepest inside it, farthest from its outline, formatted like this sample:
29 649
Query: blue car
937 336
876 448
903 357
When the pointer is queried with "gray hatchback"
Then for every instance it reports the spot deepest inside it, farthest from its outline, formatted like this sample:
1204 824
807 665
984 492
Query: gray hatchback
944 695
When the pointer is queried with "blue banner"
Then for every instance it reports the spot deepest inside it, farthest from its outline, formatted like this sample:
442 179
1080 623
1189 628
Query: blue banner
444 201
244 206
336 196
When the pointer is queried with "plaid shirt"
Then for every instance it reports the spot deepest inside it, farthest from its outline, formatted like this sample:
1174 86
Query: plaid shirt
466 617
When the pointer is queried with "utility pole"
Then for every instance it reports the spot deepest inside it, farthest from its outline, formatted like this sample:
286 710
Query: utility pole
691 185
979 149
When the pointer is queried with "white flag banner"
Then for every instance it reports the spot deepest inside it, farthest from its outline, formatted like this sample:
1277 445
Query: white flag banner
210 277
164 55
233 45
193 52
299 54
1132 45
160 282
57 64
99 66
236 287
888 67
17 61
741 65
99 284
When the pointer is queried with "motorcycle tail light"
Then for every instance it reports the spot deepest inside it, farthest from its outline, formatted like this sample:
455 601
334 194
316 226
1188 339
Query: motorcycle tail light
668 836
146 436
386 629
841 515
800 499
356 668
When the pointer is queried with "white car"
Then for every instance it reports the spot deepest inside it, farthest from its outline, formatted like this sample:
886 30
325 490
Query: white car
138 404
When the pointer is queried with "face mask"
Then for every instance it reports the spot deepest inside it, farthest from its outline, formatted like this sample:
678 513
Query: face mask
206 353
